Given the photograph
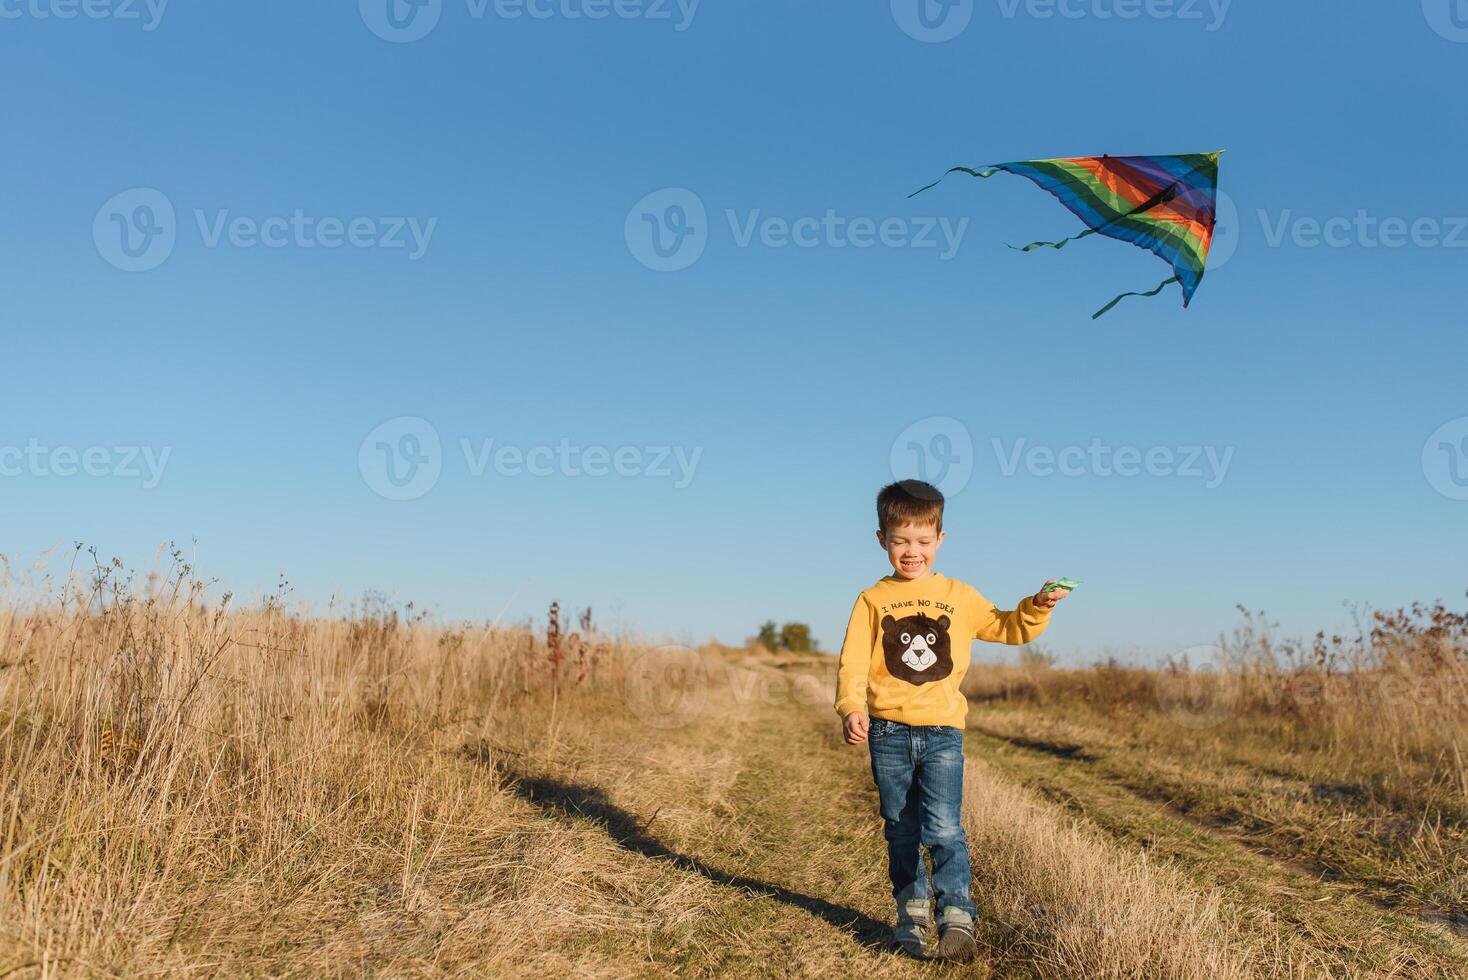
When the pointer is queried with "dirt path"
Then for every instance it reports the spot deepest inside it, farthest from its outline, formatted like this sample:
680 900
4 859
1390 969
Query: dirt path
770 824
747 841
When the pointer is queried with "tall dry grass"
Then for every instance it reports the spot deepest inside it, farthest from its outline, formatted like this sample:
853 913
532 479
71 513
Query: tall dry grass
1394 695
189 788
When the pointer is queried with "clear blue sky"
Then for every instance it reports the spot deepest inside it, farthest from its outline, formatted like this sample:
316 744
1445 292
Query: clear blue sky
520 146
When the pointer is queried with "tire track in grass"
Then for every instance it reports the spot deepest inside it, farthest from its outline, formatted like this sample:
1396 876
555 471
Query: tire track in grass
1355 935
1400 851
1250 831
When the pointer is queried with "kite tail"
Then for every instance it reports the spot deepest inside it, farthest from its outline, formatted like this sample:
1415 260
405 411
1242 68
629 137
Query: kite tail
1056 245
1152 292
956 170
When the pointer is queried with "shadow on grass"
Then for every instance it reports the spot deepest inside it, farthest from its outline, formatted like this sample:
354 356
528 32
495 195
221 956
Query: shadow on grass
563 798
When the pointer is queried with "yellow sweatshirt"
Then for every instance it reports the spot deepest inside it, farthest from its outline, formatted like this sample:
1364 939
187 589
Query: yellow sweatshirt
907 647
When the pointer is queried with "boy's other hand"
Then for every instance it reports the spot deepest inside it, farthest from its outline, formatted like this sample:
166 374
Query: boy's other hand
1047 600
855 727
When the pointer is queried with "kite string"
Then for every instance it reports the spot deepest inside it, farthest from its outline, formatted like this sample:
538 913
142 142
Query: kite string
1151 292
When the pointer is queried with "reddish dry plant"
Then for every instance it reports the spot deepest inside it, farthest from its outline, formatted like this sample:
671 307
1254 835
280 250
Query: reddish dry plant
553 643
560 649
1432 636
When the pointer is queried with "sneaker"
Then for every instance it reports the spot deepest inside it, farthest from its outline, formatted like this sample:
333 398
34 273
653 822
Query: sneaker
914 919
956 935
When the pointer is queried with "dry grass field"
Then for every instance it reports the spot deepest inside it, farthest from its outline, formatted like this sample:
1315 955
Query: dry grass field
192 790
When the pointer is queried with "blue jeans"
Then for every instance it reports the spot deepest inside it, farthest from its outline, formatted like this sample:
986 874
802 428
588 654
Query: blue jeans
919 774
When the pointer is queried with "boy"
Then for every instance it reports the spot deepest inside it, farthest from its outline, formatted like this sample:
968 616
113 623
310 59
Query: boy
906 651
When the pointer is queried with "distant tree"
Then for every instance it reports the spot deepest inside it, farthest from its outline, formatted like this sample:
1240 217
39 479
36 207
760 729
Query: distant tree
796 638
769 636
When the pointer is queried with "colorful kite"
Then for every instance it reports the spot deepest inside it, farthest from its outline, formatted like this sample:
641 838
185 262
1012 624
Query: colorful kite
1165 204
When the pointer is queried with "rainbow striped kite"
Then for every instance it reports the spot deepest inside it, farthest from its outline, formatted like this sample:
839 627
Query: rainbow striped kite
1165 204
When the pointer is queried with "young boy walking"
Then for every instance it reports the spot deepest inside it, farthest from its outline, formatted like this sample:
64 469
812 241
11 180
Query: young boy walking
905 654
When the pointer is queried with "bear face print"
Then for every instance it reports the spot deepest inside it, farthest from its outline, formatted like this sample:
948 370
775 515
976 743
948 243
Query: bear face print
917 648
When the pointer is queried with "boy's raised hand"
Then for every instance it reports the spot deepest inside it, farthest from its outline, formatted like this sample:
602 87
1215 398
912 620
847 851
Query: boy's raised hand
855 727
1047 600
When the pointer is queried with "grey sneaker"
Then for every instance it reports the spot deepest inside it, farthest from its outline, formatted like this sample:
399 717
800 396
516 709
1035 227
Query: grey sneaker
914 920
956 935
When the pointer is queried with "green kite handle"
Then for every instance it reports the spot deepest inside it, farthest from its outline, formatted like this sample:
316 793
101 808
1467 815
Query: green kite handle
1064 583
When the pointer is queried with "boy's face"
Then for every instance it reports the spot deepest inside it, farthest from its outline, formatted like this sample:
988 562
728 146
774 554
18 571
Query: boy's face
911 548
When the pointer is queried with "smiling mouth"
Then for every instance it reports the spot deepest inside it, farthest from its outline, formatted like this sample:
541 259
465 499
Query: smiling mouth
912 564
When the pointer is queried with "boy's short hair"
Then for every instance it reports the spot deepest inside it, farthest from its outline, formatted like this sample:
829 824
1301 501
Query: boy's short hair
909 502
